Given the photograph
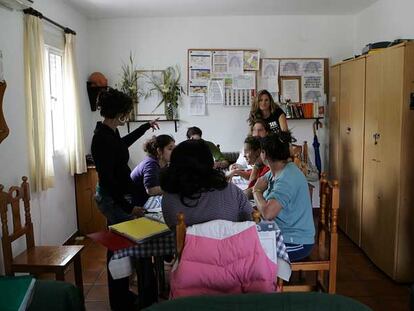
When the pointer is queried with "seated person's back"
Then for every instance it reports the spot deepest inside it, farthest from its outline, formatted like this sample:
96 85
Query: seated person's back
191 185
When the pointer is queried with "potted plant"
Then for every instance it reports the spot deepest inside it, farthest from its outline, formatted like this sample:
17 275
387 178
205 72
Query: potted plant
128 83
170 89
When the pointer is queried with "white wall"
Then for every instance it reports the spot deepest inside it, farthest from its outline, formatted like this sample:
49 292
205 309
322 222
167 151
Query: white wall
53 211
385 20
160 42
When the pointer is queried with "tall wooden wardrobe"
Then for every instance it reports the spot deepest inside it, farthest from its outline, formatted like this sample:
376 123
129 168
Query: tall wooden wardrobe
372 124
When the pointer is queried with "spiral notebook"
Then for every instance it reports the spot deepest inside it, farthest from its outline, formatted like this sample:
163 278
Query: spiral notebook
141 229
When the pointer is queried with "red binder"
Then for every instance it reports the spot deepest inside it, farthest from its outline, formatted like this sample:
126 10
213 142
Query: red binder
110 240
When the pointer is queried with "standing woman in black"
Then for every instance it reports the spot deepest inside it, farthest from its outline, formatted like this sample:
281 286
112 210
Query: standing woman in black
264 108
115 187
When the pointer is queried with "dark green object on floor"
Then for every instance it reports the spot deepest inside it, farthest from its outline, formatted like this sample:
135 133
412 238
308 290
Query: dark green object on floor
56 296
263 302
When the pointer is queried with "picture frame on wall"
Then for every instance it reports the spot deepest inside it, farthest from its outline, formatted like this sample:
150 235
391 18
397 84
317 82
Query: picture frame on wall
147 100
290 88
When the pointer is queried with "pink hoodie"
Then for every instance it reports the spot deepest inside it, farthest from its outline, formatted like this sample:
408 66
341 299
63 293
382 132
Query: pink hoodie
223 257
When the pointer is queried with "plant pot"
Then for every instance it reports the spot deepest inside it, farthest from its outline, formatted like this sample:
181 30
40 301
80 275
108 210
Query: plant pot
169 111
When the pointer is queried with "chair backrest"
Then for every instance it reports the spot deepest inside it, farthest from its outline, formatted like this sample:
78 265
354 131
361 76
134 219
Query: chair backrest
327 226
13 199
180 230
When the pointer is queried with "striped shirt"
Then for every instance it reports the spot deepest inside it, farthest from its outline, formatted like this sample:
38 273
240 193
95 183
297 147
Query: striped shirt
227 204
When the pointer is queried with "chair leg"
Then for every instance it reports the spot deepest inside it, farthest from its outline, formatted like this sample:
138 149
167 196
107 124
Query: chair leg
60 275
280 284
78 273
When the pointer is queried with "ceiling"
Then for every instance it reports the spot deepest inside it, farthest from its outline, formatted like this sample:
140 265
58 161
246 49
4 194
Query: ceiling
166 8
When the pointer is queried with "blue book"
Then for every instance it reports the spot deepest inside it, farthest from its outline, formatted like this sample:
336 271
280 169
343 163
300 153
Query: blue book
16 292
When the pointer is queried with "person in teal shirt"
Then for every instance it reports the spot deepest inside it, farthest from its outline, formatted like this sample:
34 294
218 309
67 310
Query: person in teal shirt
282 195
219 160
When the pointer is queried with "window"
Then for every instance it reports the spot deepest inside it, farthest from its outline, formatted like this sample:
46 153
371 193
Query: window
54 93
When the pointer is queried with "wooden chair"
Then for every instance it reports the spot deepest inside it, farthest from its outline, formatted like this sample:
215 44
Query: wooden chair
35 259
323 259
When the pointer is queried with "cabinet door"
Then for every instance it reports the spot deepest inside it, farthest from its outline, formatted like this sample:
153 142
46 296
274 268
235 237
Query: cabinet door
373 103
352 96
389 154
333 112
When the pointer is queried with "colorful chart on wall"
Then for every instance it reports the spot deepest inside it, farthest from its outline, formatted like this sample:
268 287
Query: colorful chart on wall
224 76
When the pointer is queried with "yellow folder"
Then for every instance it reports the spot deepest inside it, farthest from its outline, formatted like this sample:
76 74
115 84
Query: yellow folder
141 229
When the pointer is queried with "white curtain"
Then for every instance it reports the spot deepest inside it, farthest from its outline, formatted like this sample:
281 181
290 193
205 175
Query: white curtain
73 127
40 155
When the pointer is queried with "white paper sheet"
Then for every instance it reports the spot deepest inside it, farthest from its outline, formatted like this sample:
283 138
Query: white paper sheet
197 105
198 89
270 68
246 81
269 83
235 62
290 90
215 92
251 60
313 67
220 62
200 60
291 67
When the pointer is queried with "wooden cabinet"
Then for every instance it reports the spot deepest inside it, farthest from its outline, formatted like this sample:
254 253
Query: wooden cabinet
386 124
90 219
350 130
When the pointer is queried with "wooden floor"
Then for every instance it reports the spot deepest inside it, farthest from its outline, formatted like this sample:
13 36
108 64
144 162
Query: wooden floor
357 278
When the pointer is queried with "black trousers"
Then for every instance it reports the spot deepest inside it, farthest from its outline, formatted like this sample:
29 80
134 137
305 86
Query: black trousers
121 298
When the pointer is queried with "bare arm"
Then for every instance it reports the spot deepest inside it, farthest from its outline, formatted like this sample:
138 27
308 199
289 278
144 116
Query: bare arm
283 123
154 191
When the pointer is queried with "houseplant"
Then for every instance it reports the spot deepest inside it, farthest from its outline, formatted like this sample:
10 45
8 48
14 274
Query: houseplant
128 83
170 89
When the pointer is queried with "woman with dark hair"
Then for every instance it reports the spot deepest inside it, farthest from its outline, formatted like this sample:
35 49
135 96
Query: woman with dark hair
110 153
252 152
265 108
283 195
146 173
191 185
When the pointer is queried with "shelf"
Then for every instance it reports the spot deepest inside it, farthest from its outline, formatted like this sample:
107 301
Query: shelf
144 121
316 118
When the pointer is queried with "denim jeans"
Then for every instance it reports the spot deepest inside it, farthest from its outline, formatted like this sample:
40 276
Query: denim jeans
112 211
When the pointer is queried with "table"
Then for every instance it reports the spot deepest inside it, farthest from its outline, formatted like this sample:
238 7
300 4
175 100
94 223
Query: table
120 265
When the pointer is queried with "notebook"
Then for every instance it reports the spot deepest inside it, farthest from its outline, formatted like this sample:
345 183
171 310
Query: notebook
16 292
111 240
141 229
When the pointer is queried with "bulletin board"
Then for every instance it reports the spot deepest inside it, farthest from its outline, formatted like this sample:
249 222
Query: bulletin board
221 77
280 76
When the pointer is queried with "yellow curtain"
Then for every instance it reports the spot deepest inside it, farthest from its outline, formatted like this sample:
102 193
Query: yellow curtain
40 153
73 127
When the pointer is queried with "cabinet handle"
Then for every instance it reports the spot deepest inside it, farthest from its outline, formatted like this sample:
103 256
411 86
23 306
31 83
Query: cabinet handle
376 137
348 130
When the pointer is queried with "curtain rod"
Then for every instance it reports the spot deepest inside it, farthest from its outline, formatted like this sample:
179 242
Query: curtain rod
33 12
